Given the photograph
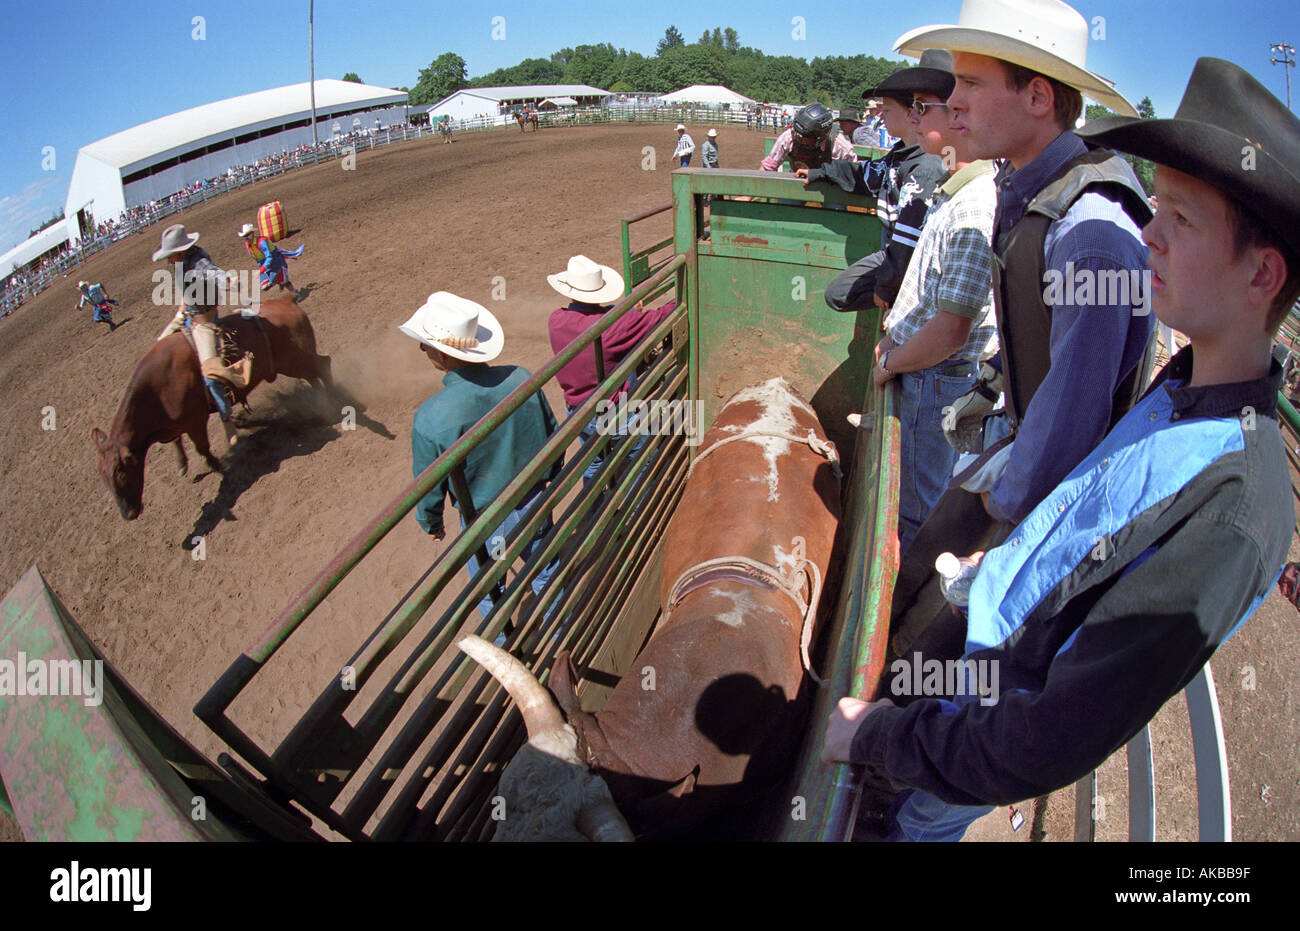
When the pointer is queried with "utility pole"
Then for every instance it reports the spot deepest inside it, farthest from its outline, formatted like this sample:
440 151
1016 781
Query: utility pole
311 68
1287 61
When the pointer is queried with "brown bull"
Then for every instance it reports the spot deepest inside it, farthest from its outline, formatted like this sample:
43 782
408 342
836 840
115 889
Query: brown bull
166 397
716 705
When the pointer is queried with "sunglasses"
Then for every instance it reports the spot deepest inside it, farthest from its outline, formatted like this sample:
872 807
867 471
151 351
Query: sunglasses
920 106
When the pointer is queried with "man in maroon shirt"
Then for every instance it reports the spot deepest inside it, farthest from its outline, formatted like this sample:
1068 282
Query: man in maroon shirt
591 290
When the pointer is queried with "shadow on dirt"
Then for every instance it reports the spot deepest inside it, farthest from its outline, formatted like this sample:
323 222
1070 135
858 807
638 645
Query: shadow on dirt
298 421
309 288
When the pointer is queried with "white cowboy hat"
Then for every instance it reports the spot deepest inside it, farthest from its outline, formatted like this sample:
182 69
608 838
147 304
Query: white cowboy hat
1047 36
81 284
246 229
681 128
175 239
712 133
588 282
458 327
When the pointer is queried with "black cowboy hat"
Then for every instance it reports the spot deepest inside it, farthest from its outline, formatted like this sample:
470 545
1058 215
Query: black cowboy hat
1229 132
932 76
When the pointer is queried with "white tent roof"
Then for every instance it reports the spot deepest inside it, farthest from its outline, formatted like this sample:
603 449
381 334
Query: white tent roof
39 244
218 120
705 93
561 101
526 91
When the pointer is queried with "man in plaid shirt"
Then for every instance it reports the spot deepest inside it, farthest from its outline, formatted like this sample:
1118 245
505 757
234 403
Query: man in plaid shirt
942 325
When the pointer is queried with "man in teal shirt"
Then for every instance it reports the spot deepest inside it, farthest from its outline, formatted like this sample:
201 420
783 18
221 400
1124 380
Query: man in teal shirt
459 337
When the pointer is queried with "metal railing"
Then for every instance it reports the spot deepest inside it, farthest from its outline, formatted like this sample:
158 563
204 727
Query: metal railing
598 547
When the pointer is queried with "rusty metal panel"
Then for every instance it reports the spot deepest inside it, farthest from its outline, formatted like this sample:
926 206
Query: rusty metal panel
70 768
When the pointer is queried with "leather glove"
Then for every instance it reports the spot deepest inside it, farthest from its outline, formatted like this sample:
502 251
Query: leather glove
963 421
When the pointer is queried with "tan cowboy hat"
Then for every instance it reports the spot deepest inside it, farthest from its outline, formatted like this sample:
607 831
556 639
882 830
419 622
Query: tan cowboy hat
1047 36
175 239
458 327
246 229
588 282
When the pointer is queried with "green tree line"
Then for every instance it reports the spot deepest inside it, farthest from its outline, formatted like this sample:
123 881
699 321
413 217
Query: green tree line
717 58
1145 170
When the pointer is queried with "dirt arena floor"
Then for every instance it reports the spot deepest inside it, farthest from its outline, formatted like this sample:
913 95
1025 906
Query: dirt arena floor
409 220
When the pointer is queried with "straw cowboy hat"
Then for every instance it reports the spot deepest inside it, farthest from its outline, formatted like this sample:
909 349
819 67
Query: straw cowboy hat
1226 121
458 327
933 75
175 239
588 282
1047 36
246 229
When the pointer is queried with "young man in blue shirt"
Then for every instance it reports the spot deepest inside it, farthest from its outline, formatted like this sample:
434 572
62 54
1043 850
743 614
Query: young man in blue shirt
1072 361
1116 589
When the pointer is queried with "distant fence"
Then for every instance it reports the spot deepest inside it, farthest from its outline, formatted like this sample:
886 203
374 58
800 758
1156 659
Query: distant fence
15 295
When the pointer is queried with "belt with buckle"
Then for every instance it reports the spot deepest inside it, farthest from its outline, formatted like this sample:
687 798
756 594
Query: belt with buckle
958 368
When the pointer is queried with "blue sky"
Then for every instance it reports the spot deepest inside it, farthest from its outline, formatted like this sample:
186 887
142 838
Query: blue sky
74 72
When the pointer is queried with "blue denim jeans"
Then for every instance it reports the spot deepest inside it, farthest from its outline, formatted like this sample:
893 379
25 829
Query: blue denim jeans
926 458
511 521
591 432
919 816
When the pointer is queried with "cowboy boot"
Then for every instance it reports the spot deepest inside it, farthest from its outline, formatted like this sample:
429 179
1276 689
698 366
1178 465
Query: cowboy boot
243 370
232 438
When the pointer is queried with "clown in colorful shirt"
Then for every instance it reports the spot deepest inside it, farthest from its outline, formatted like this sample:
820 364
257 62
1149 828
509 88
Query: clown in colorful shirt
97 297
270 258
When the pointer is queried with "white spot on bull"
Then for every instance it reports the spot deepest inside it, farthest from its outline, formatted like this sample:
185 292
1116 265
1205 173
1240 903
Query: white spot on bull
743 606
736 616
777 402
787 563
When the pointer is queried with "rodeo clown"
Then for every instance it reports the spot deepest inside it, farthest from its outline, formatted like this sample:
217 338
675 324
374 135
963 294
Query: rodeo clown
203 287
270 258
97 297
1190 492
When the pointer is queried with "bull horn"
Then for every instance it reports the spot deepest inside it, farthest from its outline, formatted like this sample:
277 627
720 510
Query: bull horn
535 703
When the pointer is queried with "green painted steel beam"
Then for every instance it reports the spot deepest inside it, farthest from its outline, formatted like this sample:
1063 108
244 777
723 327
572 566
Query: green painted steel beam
1290 416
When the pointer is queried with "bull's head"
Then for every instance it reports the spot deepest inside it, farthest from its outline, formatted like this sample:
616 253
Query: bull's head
123 472
550 793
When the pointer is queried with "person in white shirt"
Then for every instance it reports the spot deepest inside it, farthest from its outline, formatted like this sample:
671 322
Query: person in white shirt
685 146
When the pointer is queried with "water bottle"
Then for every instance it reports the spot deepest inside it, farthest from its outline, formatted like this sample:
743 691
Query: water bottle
956 575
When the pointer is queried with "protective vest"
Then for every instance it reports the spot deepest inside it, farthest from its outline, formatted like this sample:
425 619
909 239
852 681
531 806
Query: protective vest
1019 276
254 251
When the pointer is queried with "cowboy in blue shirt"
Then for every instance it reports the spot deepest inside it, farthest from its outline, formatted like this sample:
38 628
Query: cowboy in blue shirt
460 337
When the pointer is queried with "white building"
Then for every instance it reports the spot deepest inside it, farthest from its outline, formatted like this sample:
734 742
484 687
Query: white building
47 240
158 158
472 102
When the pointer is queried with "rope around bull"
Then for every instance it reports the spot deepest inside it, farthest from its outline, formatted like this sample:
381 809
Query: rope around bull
749 571
823 448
